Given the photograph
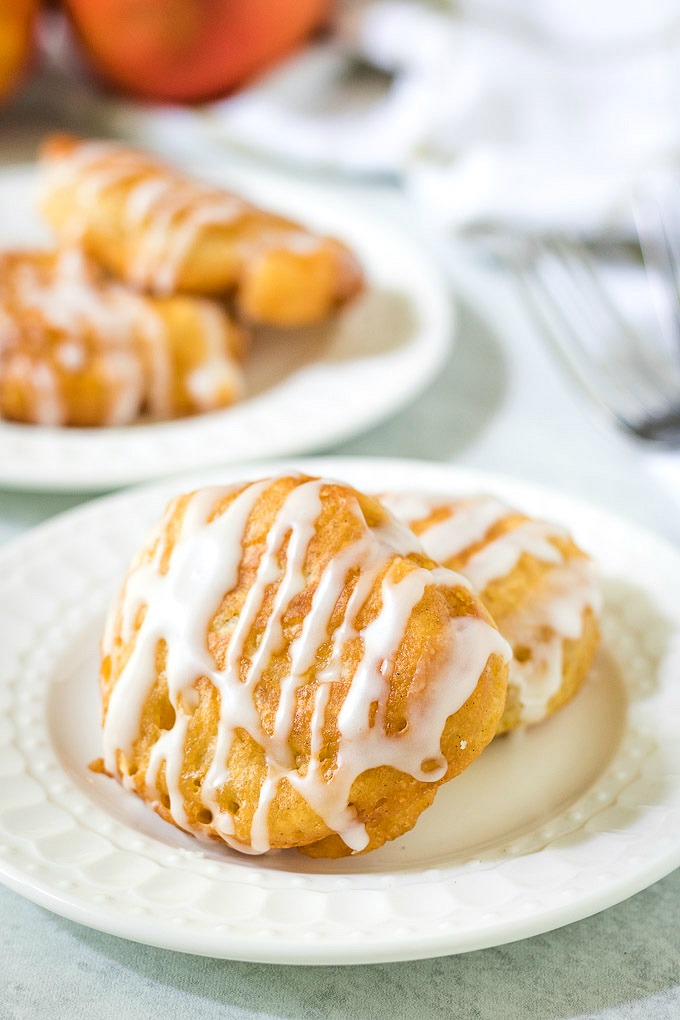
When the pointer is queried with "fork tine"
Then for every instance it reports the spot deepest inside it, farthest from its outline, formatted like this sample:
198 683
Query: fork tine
627 379
649 380
658 227
567 338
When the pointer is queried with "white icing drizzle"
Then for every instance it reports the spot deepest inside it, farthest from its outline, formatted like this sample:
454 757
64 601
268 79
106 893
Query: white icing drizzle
153 337
106 329
412 506
498 558
59 172
66 300
168 210
70 355
219 372
174 223
446 538
203 566
9 330
143 199
291 239
542 627
543 621
125 372
41 382
97 322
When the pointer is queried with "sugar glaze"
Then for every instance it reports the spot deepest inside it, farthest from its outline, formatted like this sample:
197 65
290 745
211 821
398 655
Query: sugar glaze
165 211
59 319
180 604
540 624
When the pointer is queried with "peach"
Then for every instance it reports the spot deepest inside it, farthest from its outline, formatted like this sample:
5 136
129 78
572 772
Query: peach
17 19
188 50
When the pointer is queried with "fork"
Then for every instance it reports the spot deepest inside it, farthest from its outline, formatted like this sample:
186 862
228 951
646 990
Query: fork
632 373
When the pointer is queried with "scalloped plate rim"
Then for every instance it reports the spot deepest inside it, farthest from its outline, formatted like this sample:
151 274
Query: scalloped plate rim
293 947
143 452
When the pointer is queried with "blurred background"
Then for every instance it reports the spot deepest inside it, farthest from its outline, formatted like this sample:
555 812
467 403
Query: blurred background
466 123
538 114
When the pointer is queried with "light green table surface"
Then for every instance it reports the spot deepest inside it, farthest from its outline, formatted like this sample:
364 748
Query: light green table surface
501 405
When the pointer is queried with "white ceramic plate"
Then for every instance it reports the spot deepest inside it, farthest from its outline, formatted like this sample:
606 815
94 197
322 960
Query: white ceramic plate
306 389
545 828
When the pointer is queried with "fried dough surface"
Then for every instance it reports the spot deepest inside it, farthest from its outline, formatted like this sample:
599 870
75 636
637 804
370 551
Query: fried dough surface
537 584
284 667
77 349
164 232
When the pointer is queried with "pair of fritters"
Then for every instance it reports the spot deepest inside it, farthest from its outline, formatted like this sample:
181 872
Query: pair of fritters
292 663
144 306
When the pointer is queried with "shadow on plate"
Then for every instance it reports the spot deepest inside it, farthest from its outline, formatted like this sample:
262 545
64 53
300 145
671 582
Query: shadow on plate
454 409
380 322
528 790
529 979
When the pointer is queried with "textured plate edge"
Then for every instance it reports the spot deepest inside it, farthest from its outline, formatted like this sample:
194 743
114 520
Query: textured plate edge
440 301
290 950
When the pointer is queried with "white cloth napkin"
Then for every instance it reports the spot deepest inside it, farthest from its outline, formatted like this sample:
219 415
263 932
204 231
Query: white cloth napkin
541 115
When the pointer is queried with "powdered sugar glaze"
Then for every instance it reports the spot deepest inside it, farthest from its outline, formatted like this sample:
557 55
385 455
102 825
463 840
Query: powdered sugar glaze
180 605
59 317
166 211
541 624
85 319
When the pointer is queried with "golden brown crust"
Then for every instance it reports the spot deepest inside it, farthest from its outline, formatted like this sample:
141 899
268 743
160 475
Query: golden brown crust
390 802
58 145
577 658
385 799
77 349
278 272
516 597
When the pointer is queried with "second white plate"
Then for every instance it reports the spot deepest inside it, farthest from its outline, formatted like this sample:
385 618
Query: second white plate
548 826
307 389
